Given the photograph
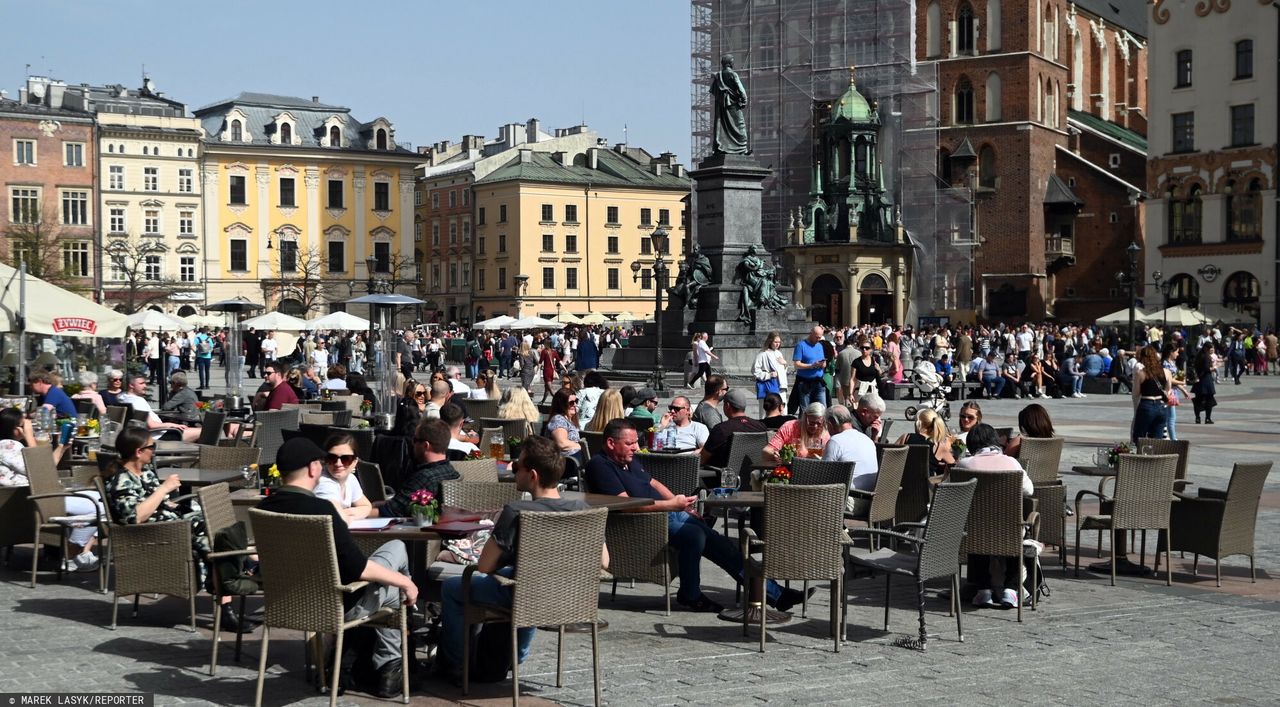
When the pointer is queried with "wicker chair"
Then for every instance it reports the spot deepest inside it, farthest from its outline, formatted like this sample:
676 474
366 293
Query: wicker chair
317 418
1180 447
370 477
150 558
816 472
678 472
267 434
353 403
806 541
118 413
938 547
219 514
1041 457
476 470
477 495
996 524
342 417
638 549
479 409
557 585
594 442
1144 489
305 591
884 500
363 438
48 498
211 427
229 457
510 428
1219 524
915 491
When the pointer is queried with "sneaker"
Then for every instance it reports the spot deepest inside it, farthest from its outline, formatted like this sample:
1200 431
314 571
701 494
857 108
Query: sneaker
1008 599
86 562
983 599
791 597
701 604
1083 395
70 566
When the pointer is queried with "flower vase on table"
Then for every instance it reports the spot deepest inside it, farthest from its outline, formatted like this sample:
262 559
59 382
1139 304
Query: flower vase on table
1113 454
777 475
271 481
424 508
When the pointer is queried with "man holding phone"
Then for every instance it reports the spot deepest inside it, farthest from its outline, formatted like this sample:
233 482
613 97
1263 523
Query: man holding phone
810 363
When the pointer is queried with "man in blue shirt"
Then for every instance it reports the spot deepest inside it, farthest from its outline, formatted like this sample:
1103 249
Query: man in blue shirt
52 396
1094 365
204 356
810 363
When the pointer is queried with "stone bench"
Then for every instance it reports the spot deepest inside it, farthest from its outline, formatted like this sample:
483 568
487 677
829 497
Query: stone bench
1100 385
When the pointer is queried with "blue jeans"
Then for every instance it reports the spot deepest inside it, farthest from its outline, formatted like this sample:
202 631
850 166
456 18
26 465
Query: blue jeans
504 365
693 539
1149 420
811 390
1171 414
994 385
484 590
174 363
202 368
473 369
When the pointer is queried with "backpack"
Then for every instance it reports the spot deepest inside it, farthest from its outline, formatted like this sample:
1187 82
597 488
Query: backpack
234 574
204 346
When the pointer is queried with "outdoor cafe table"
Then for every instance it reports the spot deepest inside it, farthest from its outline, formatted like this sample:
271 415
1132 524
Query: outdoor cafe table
751 500
201 477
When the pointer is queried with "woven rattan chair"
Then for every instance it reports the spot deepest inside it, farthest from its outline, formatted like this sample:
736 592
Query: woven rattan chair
915 491
997 522
342 417
48 498
479 409
594 440
806 541
1041 458
557 584
510 428
884 500
746 449
1180 447
1217 523
476 469
118 413
211 427
219 514
353 403
370 477
363 438
816 472
150 558
678 472
229 457
316 418
477 495
638 549
934 557
1143 495
304 591
267 433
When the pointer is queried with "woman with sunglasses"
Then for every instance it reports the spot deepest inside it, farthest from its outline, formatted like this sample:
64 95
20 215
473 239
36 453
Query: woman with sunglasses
866 374
412 407
339 483
562 427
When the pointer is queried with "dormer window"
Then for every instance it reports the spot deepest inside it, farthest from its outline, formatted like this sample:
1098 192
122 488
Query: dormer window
286 134
237 131
335 137
283 126
380 139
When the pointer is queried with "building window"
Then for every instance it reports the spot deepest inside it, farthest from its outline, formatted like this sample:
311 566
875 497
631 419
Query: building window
337 256
116 222
571 213
548 213
287 197
288 256
611 216
1244 59
238 189
186 223
239 255
664 217
73 153
335 194
381 196
571 278
382 257
466 197
480 245
435 278
571 244
75 259
502 279
646 217
380 139
965 30
480 216
1184 132
466 277
646 279
237 131
1244 212
115 177
418 198
964 102
150 179
1184 217
186 181
151 222
549 279
75 208
24 151
480 283
187 268
453 276
26 205
151 268
1182 69
435 234
1242 125
435 200
286 134
453 198
502 242
932 30
117 270
548 243
611 246
466 231
417 231
612 277
502 213
453 233
994 110
646 246
335 136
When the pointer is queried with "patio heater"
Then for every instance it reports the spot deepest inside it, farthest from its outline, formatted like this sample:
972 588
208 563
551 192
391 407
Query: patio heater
232 308
382 304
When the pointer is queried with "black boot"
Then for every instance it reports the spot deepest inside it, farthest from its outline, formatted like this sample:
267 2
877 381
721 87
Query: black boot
390 681
233 621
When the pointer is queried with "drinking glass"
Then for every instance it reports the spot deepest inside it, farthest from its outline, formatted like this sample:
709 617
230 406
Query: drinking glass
1148 450
729 479
496 446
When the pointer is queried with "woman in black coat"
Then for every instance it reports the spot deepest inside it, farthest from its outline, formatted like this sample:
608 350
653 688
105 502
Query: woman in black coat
1205 390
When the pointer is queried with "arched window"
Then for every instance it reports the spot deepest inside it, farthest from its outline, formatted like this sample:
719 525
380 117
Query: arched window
933 35
860 158
1050 104
963 112
966 28
111 148
335 137
144 149
1050 29
1244 59
987 167
993 25
1244 211
236 131
286 134
994 111
1240 292
1104 77
380 139
1184 217
1077 71
1183 289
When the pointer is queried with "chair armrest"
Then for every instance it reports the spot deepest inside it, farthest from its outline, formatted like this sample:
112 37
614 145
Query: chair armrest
97 510
910 524
1102 485
1032 524
747 538
184 497
888 534
862 493
354 586
231 553
1180 484
1082 494
1215 494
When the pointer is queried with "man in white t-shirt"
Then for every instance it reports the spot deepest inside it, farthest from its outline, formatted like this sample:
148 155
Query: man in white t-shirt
136 397
269 348
849 445
689 436
320 358
460 389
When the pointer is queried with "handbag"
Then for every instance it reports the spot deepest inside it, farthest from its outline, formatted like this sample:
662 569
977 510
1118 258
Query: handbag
765 387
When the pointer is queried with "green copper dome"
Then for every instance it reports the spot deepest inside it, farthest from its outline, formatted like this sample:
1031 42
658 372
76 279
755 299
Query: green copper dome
853 106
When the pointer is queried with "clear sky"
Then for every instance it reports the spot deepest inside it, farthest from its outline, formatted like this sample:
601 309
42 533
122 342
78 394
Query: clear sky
436 69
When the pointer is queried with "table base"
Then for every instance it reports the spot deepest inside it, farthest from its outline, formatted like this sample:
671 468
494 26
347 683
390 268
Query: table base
1124 566
772 616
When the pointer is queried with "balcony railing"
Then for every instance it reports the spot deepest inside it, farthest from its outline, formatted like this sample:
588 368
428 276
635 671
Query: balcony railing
1059 246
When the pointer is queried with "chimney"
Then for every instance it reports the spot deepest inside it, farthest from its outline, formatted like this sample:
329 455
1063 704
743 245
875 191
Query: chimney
657 168
562 158
526 156
315 99
57 90
532 128
593 158
678 170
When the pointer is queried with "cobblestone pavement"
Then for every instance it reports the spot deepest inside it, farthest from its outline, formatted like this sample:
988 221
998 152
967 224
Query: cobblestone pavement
1088 642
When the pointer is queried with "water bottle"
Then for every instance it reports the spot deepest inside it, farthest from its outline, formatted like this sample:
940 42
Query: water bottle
658 440
670 441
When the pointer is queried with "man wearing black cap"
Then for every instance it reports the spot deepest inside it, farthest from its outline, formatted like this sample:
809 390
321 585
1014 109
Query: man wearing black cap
387 569
643 404
716 451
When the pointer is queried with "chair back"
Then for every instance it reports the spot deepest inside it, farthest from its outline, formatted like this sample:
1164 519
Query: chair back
816 472
42 472
1181 447
477 409
995 519
1040 456
297 552
267 434
594 442
211 427
884 506
885 424
1144 490
118 413
746 448
678 472
638 546
559 559
915 489
316 418
333 405
139 416
476 470
85 407
215 501
353 403
1240 517
370 477
342 418
229 457
363 438
315 432
510 428
944 530
806 529
477 495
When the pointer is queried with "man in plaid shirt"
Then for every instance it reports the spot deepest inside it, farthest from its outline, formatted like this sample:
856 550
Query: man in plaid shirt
431 447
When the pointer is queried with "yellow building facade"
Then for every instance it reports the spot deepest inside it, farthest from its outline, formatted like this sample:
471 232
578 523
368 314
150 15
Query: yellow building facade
557 233
298 197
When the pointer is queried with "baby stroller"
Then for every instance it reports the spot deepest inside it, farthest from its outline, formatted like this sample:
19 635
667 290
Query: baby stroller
933 393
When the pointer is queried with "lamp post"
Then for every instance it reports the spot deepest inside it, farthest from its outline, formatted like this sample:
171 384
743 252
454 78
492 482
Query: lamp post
660 238
1131 278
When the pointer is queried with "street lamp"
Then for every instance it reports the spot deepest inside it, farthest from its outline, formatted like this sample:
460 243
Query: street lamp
1130 278
660 238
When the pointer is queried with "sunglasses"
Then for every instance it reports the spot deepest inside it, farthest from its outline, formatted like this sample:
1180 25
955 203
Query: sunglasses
968 417
573 401
866 348
152 447
346 459
676 408
419 393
